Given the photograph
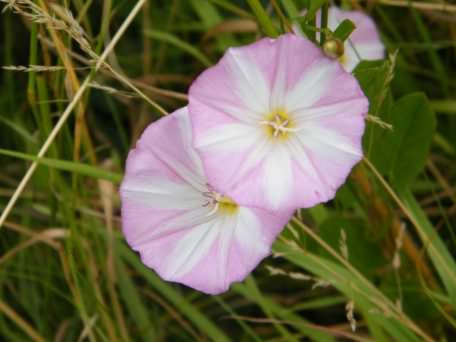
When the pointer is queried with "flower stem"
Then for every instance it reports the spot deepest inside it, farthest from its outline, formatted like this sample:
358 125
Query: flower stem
324 22
263 19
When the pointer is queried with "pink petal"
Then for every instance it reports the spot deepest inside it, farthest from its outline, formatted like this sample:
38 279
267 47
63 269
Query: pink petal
366 30
239 158
241 243
166 216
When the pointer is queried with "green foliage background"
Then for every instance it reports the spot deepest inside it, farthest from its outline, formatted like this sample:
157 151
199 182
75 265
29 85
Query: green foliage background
66 273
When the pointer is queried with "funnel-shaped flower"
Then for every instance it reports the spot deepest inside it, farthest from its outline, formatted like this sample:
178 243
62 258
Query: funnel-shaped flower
183 229
278 124
364 42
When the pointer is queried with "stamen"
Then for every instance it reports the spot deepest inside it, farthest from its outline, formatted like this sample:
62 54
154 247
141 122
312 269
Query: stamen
214 209
279 125
220 203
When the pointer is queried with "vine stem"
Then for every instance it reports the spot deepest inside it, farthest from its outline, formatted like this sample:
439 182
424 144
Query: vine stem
324 22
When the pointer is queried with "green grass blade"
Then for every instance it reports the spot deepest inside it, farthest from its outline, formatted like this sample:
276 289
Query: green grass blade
439 254
70 166
179 43
366 297
180 302
275 311
263 18
134 304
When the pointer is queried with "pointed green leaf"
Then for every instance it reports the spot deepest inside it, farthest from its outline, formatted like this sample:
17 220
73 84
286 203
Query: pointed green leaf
401 153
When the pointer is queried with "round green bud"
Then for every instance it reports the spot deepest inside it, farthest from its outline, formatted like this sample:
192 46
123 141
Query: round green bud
333 48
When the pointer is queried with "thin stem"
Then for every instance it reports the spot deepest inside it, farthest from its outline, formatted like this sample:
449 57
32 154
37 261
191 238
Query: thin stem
324 22
32 333
124 80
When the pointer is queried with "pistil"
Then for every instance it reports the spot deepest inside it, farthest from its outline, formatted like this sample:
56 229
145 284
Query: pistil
221 204
278 124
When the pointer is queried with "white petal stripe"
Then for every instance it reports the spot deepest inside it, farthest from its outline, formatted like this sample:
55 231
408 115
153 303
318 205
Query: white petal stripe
191 248
228 136
188 175
311 133
159 193
248 232
312 85
250 84
181 222
278 176
302 116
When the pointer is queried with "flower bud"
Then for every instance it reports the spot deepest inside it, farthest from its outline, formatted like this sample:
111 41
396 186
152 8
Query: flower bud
333 48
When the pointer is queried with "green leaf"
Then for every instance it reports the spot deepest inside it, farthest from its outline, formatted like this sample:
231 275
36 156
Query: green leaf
344 29
374 78
401 153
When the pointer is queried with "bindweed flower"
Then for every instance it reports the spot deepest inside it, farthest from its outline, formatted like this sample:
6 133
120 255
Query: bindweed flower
277 124
182 228
363 44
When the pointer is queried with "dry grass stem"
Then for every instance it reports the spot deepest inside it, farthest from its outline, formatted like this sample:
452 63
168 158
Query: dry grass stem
350 309
37 68
27 328
48 235
376 120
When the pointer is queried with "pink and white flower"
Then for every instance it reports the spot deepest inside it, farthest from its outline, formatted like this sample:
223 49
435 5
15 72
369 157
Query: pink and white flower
182 228
363 44
277 124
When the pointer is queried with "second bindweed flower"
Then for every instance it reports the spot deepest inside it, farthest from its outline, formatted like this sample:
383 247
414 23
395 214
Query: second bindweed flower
278 125
182 228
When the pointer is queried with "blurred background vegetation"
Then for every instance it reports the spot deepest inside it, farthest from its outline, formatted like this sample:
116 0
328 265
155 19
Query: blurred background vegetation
375 264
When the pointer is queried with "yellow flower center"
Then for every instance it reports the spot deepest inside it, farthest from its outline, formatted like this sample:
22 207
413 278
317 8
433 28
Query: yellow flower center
221 204
227 206
278 125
